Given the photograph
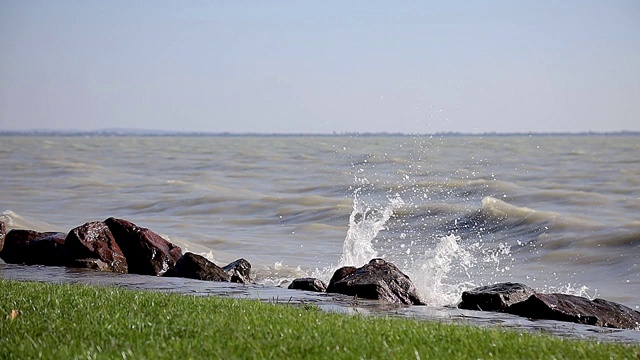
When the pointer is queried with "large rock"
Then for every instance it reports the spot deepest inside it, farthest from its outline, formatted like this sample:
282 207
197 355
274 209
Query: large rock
239 270
29 247
577 309
3 232
308 284
94 240
497 297
338 275
147 253
377 280
197 267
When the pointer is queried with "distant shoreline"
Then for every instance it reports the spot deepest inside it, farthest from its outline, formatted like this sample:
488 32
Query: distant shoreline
159 133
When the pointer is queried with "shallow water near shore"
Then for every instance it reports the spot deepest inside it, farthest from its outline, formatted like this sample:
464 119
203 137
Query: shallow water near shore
558 213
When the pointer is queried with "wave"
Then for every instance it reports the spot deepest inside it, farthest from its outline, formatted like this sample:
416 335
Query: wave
496 215
16 221
440 272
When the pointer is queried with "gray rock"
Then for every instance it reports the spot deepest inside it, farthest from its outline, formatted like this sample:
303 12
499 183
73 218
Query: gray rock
239 270
308 284
577 309
378 279
338 275
497 297
197 267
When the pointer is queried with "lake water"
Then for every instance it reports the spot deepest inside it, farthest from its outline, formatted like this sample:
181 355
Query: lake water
558 213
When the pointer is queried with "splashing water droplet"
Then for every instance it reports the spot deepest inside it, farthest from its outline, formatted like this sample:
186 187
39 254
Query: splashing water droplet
364 225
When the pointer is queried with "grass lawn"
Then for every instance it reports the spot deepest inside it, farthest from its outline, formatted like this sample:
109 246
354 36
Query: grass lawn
56 321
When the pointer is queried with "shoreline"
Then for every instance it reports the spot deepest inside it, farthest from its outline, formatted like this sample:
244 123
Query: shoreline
331 303
66 321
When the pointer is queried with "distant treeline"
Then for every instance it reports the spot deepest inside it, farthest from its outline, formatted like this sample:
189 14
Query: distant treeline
127 132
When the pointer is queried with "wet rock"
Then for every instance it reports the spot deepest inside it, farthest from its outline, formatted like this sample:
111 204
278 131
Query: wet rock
95 240
340 274
308 284
577 309
90 263
197 267
378 279
29 247
3 232
497 297
239 270
147 253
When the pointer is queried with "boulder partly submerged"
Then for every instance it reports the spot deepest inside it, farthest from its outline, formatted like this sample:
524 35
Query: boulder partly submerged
94 240
308 284
239 271
379 280
29 247
497 297
521 300
114 245
577 309
194 266
147 253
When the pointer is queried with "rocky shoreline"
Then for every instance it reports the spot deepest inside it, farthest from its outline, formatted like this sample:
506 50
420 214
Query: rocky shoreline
120 246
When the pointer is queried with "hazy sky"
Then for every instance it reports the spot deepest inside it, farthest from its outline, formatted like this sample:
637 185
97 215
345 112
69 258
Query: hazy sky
322 66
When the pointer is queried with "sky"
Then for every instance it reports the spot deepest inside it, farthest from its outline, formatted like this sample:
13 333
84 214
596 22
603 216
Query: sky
321 67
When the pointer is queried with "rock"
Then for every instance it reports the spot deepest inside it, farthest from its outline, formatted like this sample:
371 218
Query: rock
239 270
376 280
3 232
309 284
197 267
29 247
94 240
90 263
577 309
497 297
340 274
147 253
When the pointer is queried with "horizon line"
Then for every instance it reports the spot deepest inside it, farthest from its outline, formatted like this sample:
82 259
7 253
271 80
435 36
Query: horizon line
148 132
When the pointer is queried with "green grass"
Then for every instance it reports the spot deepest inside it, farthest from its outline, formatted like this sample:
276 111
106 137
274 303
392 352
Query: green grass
86 322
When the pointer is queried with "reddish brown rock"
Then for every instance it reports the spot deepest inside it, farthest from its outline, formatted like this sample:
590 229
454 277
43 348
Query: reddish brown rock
147 253
577 309
94 240
380 280
29 247
197 267
90 263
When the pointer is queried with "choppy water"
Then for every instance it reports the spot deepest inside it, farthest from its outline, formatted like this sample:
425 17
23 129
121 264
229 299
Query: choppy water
559 213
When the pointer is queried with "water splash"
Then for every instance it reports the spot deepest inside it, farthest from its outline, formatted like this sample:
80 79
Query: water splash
573 289
365 222
440 272
431 271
